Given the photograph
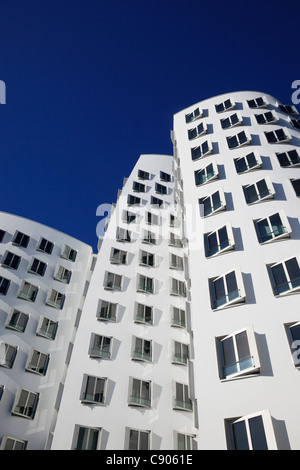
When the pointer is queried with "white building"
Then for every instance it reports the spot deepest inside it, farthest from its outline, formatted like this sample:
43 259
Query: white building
44 276
190 328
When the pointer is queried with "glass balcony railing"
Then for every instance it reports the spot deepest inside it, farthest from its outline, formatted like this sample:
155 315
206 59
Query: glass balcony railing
225 299
239 366
287 286
141 401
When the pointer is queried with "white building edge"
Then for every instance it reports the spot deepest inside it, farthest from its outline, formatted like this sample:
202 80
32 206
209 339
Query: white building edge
188 337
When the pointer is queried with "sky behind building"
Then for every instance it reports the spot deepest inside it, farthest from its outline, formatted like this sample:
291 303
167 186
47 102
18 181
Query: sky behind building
91 85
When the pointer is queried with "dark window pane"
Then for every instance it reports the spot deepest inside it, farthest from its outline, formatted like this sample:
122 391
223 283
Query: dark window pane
257 432
242 345
228 352
240 436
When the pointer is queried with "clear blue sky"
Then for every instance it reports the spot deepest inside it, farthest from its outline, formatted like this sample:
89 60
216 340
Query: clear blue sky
92 84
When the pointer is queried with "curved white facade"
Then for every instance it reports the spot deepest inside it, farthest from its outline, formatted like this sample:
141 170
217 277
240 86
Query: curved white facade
43 275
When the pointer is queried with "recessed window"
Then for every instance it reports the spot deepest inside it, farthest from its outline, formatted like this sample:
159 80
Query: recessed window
225 106
28 292
17 320
180 353
218 241
147 259
129 217
94 390
266 118
183 441
139 392
123 235
139 187
177 287
113 281
175 240
209 173
165 177
69 253
107 311
144 175
149 237
197 131
45 246
295 123
100 346
248 162
7 355
227 290
10 443
86 438
155 201
62 274
37 267
274 227
214 203
25 403
275 137
258 191
290 158
193 116
2 233
257 103
231 121
202 150
178 317
133 200
142 349
237 354
21 239
182 399
151 219
143 314
37 362
11 260
145 284
288 109
56 299
118 256
285 276
47 328
175 262
296 186
137 440
238 140
161 189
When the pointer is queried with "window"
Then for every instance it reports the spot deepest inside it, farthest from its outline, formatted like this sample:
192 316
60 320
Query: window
225 106
142 349
178 317
145 284
10 443
274 137
113 281
165 177
285 276
149 237
28 292
137 440
288 109
180 353
11 260
295 123
133 200
94 390
147 259
257 103
182 400
62 274
237 354
296 186
47 328
175 240
266 118
231 121
37 362
17 320
196 114
252 432
274 227
2 233
259 191
251 161
139 392
219 241
69 253
151 219
45 246
161 189
123 235
21 239
183 441
144 175
55 299
178 288
293 334
202 150
175 262
155 201
25 404
86 438
227 290
37 267
238 140
118 256
197 131
7 355
139 187
129 217
100 346
212 204
4 285
108 311
143 314
174 221
209 173
290 158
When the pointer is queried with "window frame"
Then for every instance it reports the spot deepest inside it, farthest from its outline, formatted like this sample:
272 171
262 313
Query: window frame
220 208
102 381
45 249
203 153
58 301
186 404
239 121
222 107
178 287
269 195
107 308
69 253
42 358
197 113
141 356
258 106
198 131
33 290
288 158
249 168
287 136
142 319
112 285
13 262
14 326
230 238
285 224
240 299
31 409
290 291
140 400
24 239
142 281
240 143
204 170
274 119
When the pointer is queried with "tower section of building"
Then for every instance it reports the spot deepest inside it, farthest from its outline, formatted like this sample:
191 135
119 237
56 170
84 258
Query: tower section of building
130 380
44 276
237 161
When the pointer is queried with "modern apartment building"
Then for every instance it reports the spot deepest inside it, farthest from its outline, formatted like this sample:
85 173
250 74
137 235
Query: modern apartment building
189 331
